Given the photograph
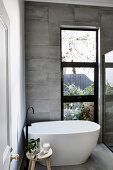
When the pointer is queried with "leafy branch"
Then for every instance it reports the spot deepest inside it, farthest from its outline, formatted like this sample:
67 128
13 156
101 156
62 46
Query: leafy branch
32 145
73 90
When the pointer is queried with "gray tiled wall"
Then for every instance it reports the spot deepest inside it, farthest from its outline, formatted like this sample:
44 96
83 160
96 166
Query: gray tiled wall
42 35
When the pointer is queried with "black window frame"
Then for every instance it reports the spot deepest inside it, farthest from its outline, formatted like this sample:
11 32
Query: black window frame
82 98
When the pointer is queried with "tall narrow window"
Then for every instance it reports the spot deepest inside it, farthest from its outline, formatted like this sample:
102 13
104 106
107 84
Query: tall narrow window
79 69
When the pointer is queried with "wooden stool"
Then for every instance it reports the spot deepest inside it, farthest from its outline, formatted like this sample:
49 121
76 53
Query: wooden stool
33 158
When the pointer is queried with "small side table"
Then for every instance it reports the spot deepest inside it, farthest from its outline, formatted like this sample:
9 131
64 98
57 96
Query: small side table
33 158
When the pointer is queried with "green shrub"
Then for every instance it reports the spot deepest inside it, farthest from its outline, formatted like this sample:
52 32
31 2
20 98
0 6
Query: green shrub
108 89
81 111
73 90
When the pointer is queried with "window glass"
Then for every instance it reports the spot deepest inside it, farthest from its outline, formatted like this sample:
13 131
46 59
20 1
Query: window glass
79 111
109 57
109 81
78 46
78 81
108 117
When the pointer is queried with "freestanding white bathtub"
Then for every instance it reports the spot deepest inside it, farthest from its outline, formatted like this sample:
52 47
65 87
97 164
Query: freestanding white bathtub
71 141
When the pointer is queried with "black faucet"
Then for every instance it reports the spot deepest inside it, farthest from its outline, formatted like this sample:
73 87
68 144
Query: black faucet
28 123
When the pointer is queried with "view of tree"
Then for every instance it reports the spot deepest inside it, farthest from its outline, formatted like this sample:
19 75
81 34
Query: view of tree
108 89
72 90
79 46
79 110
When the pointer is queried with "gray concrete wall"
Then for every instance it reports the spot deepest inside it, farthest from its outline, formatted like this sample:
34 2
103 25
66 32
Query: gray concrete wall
42 29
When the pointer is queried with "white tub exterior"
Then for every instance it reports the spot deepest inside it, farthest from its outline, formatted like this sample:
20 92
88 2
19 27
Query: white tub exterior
71 141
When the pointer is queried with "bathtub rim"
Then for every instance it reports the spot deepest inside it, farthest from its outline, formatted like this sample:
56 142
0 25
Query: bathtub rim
71 133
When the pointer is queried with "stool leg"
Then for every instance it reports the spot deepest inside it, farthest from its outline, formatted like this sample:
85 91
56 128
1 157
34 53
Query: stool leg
33 165
30 162
48 164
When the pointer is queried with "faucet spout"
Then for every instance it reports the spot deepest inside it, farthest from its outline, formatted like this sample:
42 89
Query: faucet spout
28 123
29 108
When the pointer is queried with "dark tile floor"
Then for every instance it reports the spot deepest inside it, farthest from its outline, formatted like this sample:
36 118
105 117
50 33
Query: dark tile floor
100 159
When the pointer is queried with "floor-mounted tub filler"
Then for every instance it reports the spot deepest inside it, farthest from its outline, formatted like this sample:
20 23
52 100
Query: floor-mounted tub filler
72 142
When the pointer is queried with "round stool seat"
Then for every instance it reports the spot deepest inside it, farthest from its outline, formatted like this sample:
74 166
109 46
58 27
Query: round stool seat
33 157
